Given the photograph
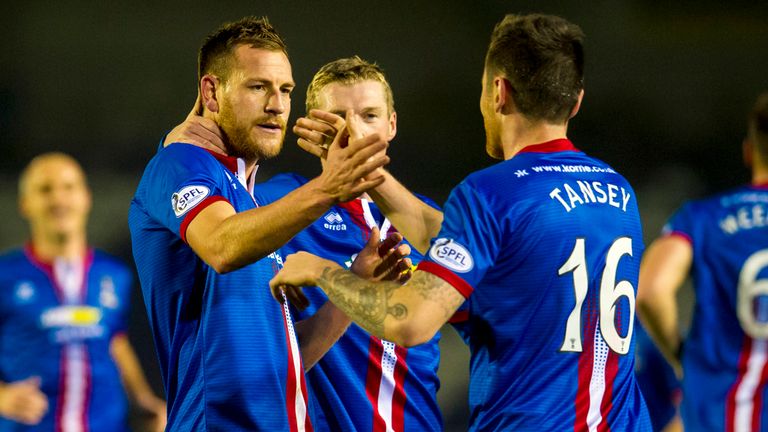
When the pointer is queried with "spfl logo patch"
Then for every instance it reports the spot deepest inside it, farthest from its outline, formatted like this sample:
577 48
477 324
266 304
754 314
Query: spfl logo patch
188 197
451 255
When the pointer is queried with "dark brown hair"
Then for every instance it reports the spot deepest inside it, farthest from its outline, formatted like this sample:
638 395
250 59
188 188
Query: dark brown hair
215 56
543 58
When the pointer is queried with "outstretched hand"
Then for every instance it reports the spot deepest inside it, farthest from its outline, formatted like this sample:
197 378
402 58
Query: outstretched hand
352 161
198 131
316 132
300 269
385 260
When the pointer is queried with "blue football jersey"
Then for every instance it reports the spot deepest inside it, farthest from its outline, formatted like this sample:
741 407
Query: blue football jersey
725 353
56 322
546 246
362 383
228 352
656 378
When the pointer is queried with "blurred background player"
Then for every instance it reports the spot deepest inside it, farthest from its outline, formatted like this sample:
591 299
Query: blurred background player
722 242
545 245
63 346
205 247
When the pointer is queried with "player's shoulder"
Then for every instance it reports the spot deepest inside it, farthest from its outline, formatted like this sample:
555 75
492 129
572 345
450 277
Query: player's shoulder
724 200
14 264
11 258
103 258
172 166
734 197
113 268
277 187
283 181
181 157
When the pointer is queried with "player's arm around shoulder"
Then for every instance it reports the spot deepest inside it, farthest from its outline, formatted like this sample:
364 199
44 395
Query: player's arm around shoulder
663 270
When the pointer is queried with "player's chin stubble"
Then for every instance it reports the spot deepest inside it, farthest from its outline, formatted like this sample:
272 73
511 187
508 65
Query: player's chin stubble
241 143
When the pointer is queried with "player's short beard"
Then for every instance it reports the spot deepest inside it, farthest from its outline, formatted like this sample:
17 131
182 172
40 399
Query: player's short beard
238 140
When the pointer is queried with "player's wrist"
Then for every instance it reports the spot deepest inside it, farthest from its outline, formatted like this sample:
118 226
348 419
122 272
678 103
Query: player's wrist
323 268
320 194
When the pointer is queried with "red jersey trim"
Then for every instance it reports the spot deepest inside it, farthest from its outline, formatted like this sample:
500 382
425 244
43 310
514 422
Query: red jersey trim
373 381
47 268
355 209
459 317
399 398
195 211
730 401
443 273
228 161
558 145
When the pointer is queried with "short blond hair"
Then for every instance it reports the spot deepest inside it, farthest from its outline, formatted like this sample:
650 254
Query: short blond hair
348 70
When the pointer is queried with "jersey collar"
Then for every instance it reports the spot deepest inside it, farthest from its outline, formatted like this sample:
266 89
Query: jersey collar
558 145
237 167
31 253
763 185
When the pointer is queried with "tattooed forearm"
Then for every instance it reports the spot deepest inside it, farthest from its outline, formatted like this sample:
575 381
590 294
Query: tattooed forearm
428 286
419 307
365 302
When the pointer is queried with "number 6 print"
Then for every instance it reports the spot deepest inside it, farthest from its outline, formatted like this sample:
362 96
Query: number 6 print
749 288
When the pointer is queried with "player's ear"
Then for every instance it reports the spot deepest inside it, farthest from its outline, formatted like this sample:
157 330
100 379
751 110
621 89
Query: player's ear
22 203
89 199
392 126
208 86
577 105
748 153
502 96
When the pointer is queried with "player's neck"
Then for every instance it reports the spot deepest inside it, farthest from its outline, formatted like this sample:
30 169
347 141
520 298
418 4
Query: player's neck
50 247
520 133
249 167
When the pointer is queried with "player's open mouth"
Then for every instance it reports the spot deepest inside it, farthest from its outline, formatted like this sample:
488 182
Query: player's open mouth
270 127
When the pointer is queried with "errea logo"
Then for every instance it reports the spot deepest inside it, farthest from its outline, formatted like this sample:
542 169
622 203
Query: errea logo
188 197
334 222
452 255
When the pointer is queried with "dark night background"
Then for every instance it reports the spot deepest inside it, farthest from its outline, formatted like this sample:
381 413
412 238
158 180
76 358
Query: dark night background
668 87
